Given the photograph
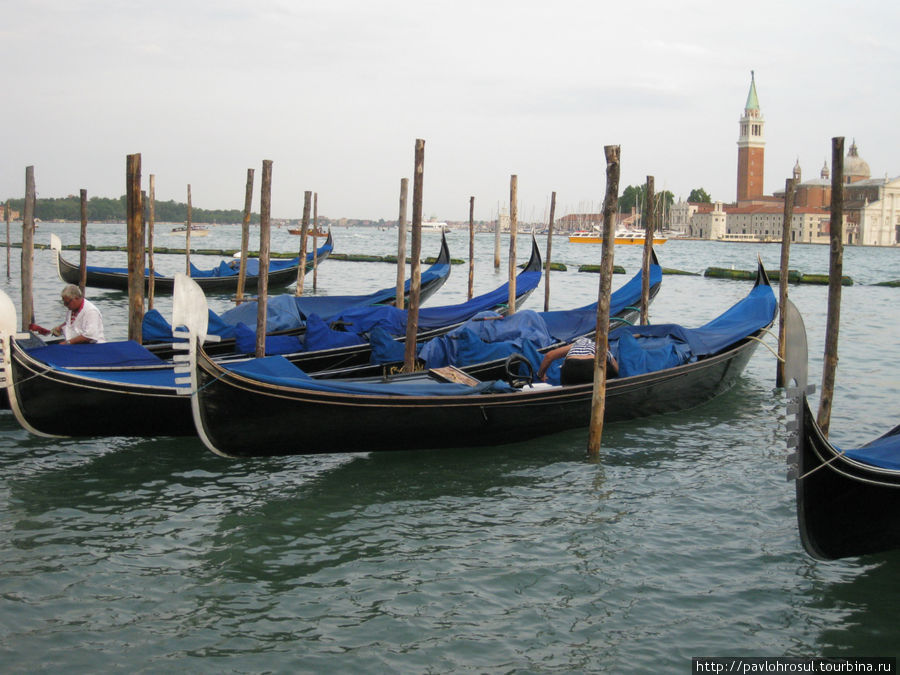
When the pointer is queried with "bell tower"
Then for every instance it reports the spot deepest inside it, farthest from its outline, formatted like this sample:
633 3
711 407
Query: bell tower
751 148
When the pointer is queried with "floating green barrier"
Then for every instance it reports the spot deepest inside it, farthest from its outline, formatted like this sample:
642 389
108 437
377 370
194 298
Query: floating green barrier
822 280
595 269
890 284
669 270
794 276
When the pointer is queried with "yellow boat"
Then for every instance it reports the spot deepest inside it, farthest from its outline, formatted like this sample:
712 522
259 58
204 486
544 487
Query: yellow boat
622 237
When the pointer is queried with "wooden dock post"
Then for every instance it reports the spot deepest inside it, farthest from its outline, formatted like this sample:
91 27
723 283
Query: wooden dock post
187 234
471 290
135 238
789 191
151 266
82 259
549 252
304 232
835 272
513 231
401 245
245 238
648 247
8 216
497 241
610 206
27 267
412 316
315 240
262 293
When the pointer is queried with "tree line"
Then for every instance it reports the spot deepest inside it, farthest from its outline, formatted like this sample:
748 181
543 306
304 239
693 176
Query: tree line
105 209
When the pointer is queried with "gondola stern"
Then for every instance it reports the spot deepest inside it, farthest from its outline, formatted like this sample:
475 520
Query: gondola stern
535 262
762 277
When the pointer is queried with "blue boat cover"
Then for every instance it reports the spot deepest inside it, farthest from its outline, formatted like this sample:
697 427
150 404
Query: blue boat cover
225 268
283 312
883 452
127 353
638 349
279 371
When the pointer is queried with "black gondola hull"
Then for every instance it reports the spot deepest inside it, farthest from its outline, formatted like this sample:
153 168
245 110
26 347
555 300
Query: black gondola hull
164 285
281 421
844 508
55 402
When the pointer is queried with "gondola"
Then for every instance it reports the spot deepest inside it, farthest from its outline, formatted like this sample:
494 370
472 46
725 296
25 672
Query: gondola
220 279
58 390
848 500
264 407
287 314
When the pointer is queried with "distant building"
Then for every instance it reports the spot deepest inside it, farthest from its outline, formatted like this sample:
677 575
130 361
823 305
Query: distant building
751 148
871 206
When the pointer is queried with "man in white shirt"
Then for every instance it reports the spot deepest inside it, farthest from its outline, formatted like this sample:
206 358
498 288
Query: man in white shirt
83 320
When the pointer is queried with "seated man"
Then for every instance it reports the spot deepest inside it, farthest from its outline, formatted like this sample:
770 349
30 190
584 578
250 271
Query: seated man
83 320
578 368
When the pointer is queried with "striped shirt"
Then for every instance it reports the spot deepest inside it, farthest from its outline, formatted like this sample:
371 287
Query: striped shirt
583 347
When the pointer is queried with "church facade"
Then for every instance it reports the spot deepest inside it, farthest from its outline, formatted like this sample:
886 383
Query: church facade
871 206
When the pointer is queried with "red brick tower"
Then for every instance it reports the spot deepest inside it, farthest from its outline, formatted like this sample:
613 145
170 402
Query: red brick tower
751 148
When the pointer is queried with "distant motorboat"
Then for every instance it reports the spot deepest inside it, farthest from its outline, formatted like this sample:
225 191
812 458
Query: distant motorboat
309 233
434 226
196 230
622 237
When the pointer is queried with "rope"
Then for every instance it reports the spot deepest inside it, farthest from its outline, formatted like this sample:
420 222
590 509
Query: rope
825 463
774 353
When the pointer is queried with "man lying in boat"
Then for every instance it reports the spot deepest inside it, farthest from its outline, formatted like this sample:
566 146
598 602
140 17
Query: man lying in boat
578 366
83 322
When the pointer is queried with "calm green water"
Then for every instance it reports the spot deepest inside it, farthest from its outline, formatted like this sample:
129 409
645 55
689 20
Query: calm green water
136 555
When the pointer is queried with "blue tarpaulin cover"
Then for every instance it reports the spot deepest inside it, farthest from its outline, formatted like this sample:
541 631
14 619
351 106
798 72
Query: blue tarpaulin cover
638 349
278 370
126 353
228 268
485 337
883 452
283 312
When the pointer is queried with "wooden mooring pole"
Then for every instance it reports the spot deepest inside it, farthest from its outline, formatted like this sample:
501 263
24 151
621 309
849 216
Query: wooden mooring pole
412 316
8 217
610 206
82 260
401 245
835 272
27 267
471 290
315 241
135 238
262 293
151 266
513 232
648 247
245 237
497 240
304 232
187 234
783 278
549 252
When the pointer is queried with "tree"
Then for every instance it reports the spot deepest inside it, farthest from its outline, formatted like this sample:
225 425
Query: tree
699 196
632 197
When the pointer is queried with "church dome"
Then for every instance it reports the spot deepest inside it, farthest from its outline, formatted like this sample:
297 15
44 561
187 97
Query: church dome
855 166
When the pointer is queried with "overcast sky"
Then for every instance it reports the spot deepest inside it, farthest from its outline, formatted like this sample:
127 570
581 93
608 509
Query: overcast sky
335 92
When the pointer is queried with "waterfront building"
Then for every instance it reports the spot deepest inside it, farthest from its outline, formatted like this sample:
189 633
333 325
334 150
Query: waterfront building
871 206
